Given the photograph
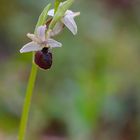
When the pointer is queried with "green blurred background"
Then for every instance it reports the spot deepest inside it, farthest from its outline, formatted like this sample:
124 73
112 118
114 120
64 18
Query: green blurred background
92 90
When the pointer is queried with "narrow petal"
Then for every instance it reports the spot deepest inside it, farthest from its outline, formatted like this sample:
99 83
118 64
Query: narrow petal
57 29
41 32
76 14
29 47
70 24
51 12
33 38
53 43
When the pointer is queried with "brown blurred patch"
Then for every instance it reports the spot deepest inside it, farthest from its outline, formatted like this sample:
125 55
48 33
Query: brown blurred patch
56 130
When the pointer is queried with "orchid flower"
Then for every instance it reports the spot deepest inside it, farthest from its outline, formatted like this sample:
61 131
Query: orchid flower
41 44
67 20
39 41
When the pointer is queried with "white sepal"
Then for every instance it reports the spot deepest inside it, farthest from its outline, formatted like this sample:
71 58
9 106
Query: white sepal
29 47
53 43
70 24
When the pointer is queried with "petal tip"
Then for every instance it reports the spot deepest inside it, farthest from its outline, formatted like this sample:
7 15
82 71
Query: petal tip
21 50
60 45
77 14
74 32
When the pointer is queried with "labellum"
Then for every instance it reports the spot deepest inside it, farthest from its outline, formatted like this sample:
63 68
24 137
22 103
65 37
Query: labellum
43 58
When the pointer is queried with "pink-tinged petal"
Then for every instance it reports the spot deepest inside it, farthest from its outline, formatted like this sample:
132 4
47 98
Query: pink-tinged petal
70 24
51 12
41 32
53 43
29 47
57 29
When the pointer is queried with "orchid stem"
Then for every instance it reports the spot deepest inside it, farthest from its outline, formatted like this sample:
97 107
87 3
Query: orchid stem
27 102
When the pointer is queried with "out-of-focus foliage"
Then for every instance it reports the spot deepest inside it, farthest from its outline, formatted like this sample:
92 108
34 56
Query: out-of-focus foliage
92 90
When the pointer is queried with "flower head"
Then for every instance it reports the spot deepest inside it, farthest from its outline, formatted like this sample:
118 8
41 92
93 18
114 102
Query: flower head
39 41
67 20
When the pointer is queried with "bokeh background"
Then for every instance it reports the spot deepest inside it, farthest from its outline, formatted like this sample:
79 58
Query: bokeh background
92 92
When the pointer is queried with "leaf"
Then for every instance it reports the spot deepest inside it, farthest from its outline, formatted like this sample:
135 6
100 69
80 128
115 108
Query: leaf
43 16
60 12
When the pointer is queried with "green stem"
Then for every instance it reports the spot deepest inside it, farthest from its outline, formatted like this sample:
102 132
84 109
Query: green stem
27 102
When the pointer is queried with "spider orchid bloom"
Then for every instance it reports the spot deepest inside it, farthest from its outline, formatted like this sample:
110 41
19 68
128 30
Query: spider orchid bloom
67 20
39 41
